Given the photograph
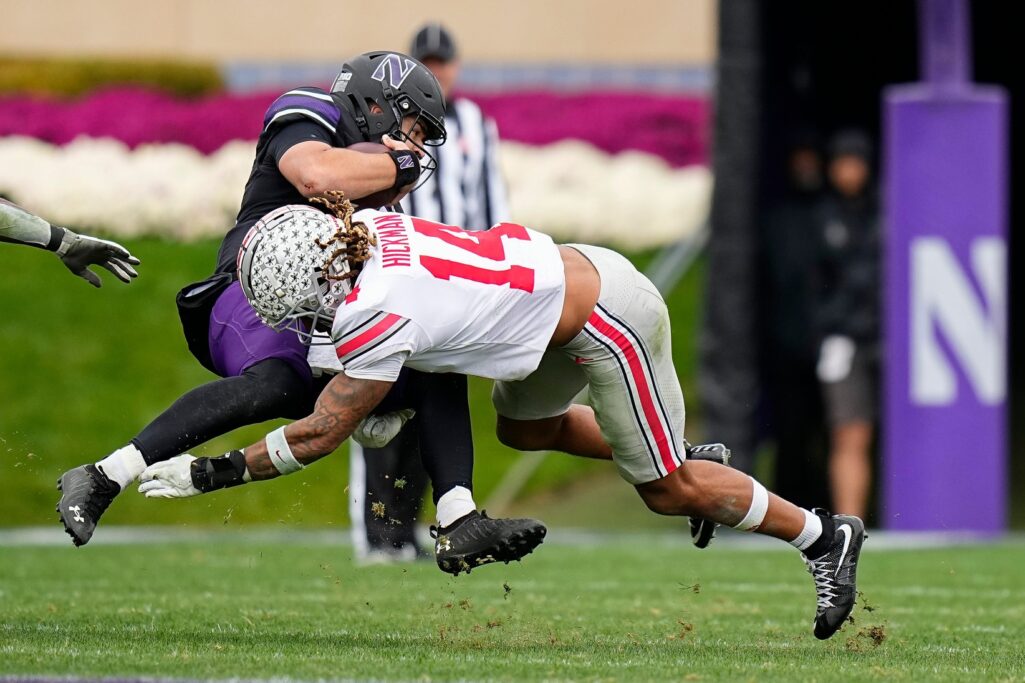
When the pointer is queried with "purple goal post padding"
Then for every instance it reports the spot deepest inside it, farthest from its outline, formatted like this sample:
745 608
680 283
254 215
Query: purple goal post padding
945 181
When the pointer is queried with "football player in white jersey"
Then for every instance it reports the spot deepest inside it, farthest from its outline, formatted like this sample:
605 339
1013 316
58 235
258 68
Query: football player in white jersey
543 321
305 148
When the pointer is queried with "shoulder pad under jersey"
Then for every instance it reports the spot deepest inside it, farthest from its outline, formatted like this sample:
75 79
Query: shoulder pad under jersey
312 104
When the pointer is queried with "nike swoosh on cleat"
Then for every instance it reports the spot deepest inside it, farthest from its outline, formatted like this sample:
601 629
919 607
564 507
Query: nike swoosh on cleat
846 529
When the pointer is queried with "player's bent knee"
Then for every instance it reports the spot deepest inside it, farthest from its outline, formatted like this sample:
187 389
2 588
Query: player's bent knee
513 434
658 501
528 435
673 494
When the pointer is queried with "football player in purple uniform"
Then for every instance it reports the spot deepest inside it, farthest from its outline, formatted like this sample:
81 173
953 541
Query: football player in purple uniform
542 320
382 97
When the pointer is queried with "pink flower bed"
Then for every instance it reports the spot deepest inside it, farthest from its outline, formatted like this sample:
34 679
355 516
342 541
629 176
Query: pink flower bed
675 128
136 116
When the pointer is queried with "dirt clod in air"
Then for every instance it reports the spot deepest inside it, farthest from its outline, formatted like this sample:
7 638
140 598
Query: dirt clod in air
686 628
876 633
866 639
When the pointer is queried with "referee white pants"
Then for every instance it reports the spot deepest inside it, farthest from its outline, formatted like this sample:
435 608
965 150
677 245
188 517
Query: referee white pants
624 358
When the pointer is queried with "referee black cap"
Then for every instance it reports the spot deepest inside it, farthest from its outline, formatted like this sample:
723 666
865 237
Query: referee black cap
433 41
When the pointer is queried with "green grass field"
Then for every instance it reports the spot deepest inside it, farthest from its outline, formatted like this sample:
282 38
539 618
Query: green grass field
648 608
82 370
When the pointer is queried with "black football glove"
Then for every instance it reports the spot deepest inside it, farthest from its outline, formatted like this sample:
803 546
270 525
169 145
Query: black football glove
78 252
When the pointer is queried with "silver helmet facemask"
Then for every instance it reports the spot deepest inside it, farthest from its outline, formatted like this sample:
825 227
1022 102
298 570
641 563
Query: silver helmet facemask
291 267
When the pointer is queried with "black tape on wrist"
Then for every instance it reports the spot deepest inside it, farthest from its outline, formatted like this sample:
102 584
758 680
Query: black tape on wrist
407 167
211 474
56 237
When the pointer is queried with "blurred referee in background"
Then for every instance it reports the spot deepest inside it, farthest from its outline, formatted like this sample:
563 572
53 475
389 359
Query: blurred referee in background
386 485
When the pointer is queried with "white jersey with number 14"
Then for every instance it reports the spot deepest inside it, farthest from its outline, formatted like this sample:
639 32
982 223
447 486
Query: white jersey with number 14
441 299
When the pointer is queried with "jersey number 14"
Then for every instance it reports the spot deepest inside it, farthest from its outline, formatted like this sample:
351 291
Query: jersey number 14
486 244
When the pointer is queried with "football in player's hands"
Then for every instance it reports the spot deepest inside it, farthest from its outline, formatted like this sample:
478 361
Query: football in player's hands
381 198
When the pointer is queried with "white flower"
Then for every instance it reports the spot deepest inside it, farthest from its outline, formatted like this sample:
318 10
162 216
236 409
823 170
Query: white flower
575 192
569 189
167 189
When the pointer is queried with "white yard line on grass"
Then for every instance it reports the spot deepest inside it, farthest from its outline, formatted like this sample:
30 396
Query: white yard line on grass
141 535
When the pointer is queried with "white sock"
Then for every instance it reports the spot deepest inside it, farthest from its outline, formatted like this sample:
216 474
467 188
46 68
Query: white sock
455 504
810 533
123 465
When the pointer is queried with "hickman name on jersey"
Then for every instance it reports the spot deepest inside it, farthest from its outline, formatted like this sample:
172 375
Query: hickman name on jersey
441 299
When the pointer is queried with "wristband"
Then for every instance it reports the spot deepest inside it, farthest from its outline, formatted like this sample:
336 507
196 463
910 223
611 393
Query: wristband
211 474
407 167
280 453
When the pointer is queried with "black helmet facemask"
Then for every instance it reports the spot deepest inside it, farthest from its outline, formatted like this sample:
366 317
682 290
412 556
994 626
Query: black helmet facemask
400 86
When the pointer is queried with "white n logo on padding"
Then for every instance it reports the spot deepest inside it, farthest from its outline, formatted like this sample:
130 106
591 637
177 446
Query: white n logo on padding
943 301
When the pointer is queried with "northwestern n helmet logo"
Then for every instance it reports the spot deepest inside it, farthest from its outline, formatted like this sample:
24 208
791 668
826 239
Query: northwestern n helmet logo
395 69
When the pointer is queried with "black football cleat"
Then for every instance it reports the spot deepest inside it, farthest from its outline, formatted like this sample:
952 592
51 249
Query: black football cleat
835 573
702 531
87 492
475 540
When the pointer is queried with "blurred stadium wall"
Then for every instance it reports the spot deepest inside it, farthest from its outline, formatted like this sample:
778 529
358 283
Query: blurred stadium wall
534 32
548 74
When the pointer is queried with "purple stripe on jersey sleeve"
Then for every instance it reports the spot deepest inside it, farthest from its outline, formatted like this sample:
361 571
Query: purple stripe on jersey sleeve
325 110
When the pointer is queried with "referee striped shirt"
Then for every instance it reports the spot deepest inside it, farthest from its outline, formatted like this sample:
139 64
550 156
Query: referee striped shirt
467 190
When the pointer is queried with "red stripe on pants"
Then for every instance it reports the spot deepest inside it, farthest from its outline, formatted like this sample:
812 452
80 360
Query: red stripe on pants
643 390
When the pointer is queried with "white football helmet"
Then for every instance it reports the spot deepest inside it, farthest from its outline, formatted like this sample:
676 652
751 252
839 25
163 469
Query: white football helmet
284 264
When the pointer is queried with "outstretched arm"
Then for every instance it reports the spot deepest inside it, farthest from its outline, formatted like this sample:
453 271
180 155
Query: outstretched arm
77 252
21 227
343 403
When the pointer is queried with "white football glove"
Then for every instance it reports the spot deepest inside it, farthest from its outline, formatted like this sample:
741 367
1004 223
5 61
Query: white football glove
169 479
835 358
375 431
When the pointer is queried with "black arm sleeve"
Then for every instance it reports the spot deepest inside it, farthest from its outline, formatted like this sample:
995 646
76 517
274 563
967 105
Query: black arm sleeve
292 134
